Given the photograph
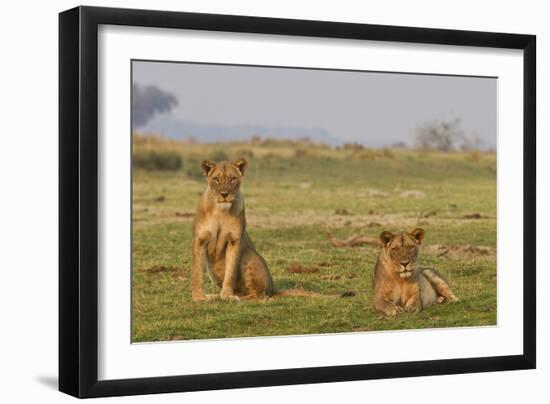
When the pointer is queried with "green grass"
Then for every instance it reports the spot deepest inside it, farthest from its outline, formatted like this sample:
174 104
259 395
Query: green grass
291 203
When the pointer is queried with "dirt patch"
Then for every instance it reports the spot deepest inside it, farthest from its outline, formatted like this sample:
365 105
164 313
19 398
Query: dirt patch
331 277
155 269
336 277
459 251
374 193
175 337
185 214
342 212
412 194
474 216
300 269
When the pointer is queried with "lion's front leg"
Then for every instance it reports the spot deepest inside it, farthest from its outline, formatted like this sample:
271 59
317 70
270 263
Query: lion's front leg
385 305
200 243
232 256
414 302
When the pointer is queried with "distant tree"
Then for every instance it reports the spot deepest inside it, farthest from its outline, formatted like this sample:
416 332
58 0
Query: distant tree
148 101
445 136
472 142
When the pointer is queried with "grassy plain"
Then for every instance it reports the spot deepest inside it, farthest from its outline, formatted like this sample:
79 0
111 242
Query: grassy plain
296 193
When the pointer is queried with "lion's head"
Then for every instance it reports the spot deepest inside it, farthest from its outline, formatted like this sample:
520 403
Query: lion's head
224 178
401 250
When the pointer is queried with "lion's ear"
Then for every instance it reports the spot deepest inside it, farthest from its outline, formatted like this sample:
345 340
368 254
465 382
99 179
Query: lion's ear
385 237
418 234
207 165
241 165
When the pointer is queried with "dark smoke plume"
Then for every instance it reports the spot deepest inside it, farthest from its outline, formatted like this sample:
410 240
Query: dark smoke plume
148 101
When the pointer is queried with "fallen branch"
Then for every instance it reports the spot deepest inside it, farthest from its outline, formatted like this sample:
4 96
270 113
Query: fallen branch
353 241
336 277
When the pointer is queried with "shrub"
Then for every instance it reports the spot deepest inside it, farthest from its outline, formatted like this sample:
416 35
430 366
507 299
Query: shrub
388 153
246 153
474 156
372 154
218 155
354 147
366 154
194 170
156 160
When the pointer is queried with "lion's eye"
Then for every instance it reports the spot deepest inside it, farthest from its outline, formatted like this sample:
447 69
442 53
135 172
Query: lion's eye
233 180
216 180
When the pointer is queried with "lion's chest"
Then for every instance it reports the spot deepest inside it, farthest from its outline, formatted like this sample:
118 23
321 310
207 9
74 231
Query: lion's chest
223 229
397 294
403 291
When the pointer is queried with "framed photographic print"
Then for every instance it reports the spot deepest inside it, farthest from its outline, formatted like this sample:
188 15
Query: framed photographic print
388 175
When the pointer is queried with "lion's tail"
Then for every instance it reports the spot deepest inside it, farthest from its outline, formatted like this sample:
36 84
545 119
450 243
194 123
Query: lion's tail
306 293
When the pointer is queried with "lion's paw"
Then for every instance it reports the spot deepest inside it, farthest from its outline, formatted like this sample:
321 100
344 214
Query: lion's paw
230 297
198 297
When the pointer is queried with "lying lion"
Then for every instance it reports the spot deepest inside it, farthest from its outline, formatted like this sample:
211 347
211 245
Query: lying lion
399 284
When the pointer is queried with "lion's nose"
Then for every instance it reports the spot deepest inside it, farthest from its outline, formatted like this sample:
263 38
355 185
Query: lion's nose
404 263
224 193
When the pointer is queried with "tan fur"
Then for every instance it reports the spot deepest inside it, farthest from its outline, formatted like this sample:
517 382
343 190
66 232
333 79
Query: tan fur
399 284
221 245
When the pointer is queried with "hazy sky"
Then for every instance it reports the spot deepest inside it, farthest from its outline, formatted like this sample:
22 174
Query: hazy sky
373 108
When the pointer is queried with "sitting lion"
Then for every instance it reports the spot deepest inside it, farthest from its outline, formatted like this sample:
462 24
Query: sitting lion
221 244
399 284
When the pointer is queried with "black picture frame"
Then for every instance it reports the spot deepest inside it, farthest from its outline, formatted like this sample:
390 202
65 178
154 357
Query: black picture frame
78 201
